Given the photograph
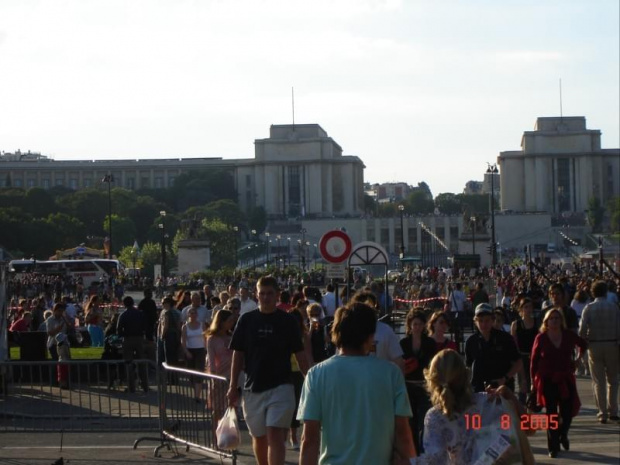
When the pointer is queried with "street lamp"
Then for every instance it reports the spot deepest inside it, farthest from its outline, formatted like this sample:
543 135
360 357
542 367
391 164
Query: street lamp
492 171
162 226
288 255
267 241
302 243
473 234
401 209
299 253
109 179
278 253
236 229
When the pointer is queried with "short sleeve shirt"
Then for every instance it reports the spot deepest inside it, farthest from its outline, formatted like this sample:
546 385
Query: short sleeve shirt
356 399
490 359
267 341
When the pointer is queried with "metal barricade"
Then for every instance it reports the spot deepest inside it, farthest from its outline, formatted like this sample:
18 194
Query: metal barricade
186 418
92 396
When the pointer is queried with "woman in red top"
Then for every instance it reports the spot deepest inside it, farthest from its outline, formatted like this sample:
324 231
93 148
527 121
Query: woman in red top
552 371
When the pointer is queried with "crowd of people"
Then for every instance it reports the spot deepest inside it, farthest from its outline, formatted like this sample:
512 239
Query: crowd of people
298 356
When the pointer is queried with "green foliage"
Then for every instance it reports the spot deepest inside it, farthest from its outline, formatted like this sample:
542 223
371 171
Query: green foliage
614 214
123 232
370 205
448 203
595 214
474 203
257 219
419 201
200 187
89 205
150 255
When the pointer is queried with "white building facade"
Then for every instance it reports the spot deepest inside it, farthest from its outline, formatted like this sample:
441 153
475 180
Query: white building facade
560 166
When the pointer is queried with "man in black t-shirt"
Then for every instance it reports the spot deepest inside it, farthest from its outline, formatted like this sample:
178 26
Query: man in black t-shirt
262 344
491 354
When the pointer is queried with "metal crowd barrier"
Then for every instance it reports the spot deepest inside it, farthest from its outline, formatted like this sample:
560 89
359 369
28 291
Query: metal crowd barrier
186 419
94 399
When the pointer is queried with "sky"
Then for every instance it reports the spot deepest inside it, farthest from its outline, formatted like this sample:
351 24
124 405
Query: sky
420 90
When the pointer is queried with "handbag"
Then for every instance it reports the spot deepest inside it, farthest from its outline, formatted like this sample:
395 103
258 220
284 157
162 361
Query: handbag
227 432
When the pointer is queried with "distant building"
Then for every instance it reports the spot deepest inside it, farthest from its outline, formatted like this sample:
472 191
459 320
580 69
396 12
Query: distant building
473 187
560 166
390 191
299 171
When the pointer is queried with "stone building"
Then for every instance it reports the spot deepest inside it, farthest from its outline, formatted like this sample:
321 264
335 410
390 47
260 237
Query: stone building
299 171
560 166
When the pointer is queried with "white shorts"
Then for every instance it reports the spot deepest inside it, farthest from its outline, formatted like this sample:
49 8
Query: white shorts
272 408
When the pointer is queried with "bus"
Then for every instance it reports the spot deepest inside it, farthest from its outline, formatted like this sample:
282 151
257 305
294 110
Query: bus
90 270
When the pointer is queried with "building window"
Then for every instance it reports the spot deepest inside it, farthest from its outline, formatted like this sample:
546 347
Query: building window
145 183
60 182
31 182
248 180
88 183
294 191
130 183
45 183
73 184
370 233
159 182
171 180
17 183
564 187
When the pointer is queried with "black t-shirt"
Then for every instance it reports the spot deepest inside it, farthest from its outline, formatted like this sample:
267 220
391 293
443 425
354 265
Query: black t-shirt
570 317
267 341
490 359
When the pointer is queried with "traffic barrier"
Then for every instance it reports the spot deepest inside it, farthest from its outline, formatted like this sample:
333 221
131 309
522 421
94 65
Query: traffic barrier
92 397
187 419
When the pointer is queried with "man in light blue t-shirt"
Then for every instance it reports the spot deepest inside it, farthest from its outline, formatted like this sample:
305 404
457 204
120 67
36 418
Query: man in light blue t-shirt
354 407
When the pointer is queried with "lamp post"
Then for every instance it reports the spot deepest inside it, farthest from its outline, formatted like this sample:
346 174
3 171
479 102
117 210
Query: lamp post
302 243
267 241
401 209
109 179
473 235
162 226
236 229
278 253
254 245
492 171
299 253
288 255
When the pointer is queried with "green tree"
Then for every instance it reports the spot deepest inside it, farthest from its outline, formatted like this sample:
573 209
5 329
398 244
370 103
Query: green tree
257 219
370 205
64 231
227 211
39 203
201 187
614 213
387 209
448 203
419 202
595 213
123 232
150 255
90 206
221 241
474 203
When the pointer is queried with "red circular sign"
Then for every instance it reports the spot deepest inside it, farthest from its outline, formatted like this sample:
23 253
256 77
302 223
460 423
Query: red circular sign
335 246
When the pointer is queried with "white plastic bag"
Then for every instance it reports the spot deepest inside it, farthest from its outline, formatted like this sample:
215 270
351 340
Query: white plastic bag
227 432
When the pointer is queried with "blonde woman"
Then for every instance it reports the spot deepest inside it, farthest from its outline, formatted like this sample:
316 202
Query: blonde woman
194 348
447 437
553 375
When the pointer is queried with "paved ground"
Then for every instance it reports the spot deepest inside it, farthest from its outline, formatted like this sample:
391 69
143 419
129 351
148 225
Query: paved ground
591 442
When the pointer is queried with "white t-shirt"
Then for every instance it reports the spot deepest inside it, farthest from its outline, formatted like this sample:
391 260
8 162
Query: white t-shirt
203 314
387 345
247 306
457 301
329 303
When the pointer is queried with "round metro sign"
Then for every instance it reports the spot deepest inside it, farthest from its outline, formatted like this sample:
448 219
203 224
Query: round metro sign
335 246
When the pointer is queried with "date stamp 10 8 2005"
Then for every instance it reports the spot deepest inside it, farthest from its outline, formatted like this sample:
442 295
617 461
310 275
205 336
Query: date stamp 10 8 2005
527 421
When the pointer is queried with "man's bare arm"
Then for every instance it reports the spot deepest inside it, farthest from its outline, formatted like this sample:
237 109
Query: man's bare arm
310 442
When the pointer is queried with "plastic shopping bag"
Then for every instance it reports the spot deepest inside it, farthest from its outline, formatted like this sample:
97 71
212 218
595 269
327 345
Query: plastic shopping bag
227 432
499 441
